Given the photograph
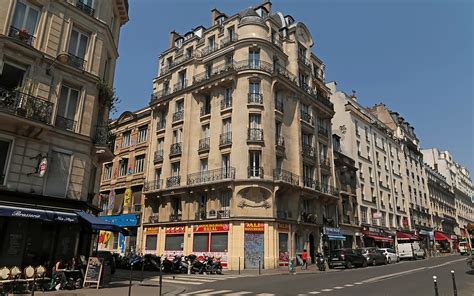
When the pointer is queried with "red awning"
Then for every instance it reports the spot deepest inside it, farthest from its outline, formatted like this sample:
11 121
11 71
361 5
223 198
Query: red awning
379 238
407 236
440 236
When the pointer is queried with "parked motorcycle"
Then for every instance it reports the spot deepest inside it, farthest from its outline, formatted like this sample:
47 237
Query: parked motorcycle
320 262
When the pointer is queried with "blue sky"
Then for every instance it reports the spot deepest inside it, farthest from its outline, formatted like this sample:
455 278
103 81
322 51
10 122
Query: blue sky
416 56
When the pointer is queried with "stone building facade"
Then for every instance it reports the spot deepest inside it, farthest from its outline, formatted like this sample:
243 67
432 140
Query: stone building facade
243 165
53 122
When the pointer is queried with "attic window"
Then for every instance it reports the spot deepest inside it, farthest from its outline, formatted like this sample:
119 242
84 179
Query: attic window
262 12
220 20
188 36
178 42
289 19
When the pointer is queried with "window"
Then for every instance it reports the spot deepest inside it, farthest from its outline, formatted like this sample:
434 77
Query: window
226 165
201 242
78 43
219 242
254 87
362 190
157 174
224 199
139 163
306 139
177 133
227 125
371 175
203 167
307 173
254 120
356 127
301 52
126 139
174 242
151 242
358 147
58 174
278 125
123 167
66 113
142 133
189 52
254 58
323 151
108 171
363 214
179 106
5 150
206 106
211 43
25 17
175 169
254 164
367 135
368 153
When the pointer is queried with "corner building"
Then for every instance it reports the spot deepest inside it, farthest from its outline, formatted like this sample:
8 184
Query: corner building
243 165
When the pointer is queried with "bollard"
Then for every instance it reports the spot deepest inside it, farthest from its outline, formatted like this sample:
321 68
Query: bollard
161 276
259 265
143 267
130 284
455 290
189 266
239 265
435 285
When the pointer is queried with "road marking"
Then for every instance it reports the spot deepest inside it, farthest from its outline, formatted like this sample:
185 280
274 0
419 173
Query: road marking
349 285
338 288
358 283
238 293
217 292
179 278
197 292
178 282
315 292
326 290
265 294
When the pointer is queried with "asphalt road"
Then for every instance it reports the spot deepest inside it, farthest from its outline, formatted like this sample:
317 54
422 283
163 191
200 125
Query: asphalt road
405 278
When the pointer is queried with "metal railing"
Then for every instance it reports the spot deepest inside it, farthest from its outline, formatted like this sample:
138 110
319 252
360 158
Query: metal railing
277 41
225 139
158 156
85 8
306 117
21 35
216 70
323 131
255 172
205 110
255 98
309 217
65 123
178 115
182 84
324 162
204 144
161 93
229 40
226 103
309 182
222 173
280 70
153 185
154 218
175 217
208 50
173 181
285 176
279 105
254 65
308 150
76 61
201 214
175 149
304 60
280 142
24 105
255 134
102 135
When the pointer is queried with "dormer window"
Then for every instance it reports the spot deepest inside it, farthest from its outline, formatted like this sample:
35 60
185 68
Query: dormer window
289 20
262 12
178 42
220 20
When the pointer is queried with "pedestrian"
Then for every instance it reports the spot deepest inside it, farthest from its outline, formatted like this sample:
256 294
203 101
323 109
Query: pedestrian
304 257
59 275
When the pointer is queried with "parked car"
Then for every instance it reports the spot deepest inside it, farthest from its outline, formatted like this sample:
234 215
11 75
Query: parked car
410 250
373 256
390 254
346 258
463 248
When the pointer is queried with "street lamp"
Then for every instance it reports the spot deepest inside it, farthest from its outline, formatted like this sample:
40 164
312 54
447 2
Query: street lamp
63 58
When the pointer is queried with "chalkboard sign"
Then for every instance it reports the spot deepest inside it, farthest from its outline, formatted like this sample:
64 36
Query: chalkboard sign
93 271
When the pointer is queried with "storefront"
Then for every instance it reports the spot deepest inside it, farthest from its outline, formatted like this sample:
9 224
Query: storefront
283 244
254 245
376 237
333 239
174 241
151 239
443 242
211 240
117 242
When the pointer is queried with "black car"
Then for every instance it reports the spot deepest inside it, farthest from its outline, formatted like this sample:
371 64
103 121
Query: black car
374 256
346 258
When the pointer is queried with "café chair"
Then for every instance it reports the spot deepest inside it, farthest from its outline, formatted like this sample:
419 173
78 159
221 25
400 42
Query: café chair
15 272
5 274
41 276
29 273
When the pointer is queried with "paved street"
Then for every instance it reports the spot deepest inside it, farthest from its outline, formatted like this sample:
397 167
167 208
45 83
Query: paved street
405 278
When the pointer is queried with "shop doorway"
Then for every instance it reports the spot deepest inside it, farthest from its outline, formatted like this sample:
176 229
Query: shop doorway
311 247
253 250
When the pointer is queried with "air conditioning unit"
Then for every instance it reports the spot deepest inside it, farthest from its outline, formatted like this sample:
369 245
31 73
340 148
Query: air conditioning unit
212 214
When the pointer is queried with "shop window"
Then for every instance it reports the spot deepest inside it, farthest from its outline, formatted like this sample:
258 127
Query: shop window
174 242
151 242
200 242
116 241
219 242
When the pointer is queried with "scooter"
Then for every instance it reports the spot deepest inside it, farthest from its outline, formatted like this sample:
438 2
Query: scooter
320 262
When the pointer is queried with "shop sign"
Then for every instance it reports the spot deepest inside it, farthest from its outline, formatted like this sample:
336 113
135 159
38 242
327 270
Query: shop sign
332 231
215 227
175 230
43 166
254 227
283 227
377 215
152 230
127 197
22 214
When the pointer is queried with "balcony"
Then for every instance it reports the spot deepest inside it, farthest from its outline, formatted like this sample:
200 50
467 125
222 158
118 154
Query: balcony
309 182
201 214
205 111
208 50
152 185
26 106
103 136
154 218
65 123
215 71
255 172
173 181
76 62
306 117
286 176
158 156
308 218
277 41
175 149
21 35
280 143
204 144
279 105
322 131
225 139
324 162
281 70
226 103
255 98
254 65
302 59
224 173
328 189
175 217
308 151
182 84
178 115
229 40
161 93
85 8
255 135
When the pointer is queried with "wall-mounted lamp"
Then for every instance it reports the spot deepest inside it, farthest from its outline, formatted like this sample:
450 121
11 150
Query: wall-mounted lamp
63 58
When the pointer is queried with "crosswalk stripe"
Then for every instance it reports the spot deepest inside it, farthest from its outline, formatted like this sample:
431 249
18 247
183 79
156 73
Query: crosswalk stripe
359 283
178 282
217 292
197 292
265 294
349 285
338 288
326 290
315 292
238 293
182 278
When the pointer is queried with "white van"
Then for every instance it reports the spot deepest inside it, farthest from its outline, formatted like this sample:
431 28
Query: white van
464 247
410 250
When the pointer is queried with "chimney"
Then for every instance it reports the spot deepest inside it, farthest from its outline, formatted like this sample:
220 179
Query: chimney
173 36
214 14
268 6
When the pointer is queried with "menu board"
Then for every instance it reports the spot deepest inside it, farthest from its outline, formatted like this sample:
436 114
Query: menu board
93 271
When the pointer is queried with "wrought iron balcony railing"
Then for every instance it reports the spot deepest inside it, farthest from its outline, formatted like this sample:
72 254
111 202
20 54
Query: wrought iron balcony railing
65 123
216 70
323 131
24 105
255 172
255 134
154 218
286 176
153 185
309 182
305 116
255 98
178 115
279 105
182 84
175 149
225 139
281 70
229 40
103 136
304 60
204 144
176 217
201 214
277 41
309 217
76 61
308 150
209 49
84 7
223 173
324 162
173 181
22 35
158 156
254 65
226 103
161 93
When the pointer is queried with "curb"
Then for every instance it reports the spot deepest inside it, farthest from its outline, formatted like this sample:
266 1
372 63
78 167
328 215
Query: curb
176 291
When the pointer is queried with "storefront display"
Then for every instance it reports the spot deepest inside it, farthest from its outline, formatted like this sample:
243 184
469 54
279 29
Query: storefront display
211 240
174 241
151 239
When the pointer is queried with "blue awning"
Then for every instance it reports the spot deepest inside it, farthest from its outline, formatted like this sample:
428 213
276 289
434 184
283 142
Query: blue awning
40 214
125 220
98 224
336 237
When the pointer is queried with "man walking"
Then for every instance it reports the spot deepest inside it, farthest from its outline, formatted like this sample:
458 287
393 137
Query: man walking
304 257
